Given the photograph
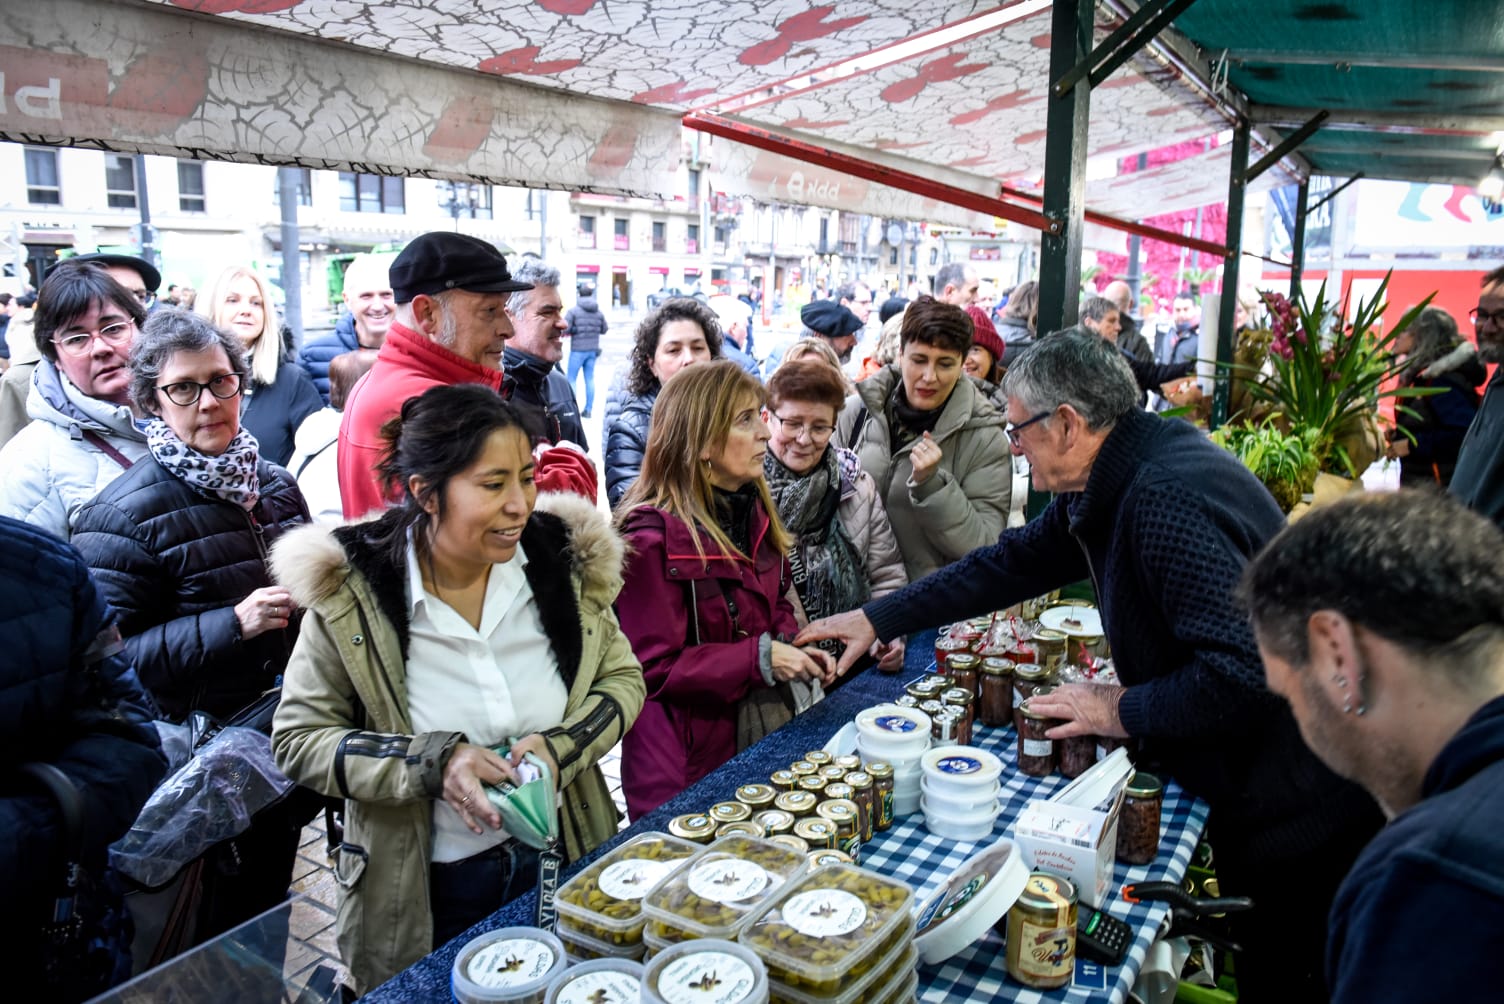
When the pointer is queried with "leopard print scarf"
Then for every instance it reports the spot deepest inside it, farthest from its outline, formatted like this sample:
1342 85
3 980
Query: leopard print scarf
230 476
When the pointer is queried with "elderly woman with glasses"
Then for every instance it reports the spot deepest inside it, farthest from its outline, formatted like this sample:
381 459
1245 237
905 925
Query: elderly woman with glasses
178 546
82 433
844 552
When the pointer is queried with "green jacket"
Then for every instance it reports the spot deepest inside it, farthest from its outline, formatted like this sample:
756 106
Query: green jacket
964 504
342 727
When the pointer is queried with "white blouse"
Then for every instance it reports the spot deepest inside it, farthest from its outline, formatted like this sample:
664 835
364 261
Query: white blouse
494 684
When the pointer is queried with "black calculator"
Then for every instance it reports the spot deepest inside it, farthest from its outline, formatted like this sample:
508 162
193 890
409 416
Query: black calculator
1101 938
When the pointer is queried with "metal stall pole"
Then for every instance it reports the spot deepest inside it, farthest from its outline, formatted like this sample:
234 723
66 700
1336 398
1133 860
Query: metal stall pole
1236 186
1065 165
1298 238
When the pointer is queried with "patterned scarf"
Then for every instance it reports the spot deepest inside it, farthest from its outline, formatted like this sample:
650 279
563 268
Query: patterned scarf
829 574
230 476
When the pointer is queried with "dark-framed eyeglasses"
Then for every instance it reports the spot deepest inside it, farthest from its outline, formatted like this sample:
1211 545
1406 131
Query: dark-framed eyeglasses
81 343
1014 430
187 392
796 429
1478 315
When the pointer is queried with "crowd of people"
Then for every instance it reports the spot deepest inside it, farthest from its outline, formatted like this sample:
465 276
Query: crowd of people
394 536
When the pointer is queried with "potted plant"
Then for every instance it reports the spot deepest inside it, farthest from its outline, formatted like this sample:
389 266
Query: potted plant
1284 461
1322 379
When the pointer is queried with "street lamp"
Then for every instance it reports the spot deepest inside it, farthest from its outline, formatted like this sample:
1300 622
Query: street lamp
458 197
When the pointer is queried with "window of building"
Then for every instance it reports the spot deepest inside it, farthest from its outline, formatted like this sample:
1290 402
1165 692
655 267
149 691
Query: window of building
586 234
305 187
660 236
371 193
722 236
694 189
934 257
42 185
120 180
621 241
824 233
190 186
692 239
892 256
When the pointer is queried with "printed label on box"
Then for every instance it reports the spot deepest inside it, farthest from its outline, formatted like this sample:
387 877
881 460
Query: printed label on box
727 880
631 879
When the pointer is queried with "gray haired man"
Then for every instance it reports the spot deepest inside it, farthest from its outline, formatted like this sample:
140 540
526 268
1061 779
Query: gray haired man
1162 522
533 381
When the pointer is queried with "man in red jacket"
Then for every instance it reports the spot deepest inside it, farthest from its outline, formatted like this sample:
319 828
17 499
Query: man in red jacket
451 327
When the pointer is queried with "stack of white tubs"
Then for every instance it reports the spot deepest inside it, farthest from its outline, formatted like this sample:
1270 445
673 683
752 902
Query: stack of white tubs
960 788
899 737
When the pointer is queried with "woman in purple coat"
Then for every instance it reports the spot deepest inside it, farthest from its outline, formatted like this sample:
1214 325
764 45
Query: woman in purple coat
705 601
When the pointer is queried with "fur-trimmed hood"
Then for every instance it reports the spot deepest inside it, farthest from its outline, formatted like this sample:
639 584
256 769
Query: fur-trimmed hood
1457 359
312 562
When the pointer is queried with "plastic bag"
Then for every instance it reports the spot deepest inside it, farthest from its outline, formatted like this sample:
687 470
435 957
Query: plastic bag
211 798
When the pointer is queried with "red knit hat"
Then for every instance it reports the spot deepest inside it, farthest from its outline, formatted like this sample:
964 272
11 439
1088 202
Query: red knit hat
984 334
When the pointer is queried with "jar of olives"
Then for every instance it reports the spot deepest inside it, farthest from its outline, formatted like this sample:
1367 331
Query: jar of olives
775 821
784 780
1138 824
812 783
860 783
694 826
848 762
1036 751
818 757
843 814
819 833
756 796
729 812
881 773
796 803
832 773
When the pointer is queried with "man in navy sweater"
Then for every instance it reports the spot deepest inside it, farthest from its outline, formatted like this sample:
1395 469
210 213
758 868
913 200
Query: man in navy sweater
1162 522
1399 685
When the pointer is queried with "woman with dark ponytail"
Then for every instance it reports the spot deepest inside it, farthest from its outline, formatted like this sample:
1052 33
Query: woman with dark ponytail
472 615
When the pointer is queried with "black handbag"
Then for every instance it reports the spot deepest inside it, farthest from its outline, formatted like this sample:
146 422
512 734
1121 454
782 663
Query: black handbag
85 944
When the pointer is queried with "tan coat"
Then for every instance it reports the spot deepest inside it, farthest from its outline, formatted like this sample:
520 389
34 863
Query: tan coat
343 728
964 504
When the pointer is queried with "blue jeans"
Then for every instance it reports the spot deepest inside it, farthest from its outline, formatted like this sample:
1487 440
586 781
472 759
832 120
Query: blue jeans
584 361
463 893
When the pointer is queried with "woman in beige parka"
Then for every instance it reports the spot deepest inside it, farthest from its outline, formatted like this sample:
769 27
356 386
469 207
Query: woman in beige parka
462 620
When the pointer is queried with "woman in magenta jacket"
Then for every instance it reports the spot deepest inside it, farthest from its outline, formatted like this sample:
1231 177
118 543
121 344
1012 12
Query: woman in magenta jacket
705 601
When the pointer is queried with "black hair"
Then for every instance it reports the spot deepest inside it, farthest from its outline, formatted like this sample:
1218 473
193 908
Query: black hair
1415 567
934 323
1187 296
70 291
437 435
640 378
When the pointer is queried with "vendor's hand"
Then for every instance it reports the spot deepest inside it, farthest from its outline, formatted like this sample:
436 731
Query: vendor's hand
267 609
825 661
924 458
469 767
538 747
852 629
1088 709
1398 448
790 663
889 655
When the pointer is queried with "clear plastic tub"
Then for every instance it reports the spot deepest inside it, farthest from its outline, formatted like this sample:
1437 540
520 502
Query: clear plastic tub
878 982
604 902
830 927
606 981
715 894
512 965
705 971
583 948
903 992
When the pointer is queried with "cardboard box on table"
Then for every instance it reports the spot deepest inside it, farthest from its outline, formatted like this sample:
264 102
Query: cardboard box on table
1075 832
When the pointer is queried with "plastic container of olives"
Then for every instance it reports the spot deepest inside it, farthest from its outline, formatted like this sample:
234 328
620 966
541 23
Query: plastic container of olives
583 948
606 981
831 927
876 984
512 965
714 894
604 901
706 971
903 991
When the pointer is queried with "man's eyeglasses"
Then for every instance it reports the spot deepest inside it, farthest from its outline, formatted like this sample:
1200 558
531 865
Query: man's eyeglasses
186 392
80 343
144 296
1014 430
817 433
1479 315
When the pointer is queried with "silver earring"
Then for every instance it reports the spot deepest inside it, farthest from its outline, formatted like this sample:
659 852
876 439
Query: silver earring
1347 708
1361 709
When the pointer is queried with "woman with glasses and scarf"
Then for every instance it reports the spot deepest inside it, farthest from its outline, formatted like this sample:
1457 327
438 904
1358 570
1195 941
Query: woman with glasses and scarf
82 433
179 545
844 552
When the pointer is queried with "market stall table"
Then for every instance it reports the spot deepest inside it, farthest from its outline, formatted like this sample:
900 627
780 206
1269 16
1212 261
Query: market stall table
907 851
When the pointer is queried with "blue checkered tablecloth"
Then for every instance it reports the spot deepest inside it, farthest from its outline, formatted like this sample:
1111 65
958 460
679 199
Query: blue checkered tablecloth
910 852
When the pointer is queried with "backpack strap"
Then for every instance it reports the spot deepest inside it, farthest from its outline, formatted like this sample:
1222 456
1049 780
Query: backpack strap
103 444
856 428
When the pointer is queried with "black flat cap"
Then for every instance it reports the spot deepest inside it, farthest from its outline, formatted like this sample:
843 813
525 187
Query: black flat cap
830 319
892 305
148 273
441 260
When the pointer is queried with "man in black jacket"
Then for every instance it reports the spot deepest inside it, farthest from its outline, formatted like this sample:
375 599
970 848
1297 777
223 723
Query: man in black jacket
1162 521
72 700
533 381
1478 479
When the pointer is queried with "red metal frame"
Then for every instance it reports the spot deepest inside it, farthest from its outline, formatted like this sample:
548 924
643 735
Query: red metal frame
717 125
